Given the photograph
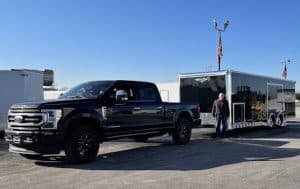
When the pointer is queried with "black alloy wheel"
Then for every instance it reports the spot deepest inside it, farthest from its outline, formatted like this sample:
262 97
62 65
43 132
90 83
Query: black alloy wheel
183 131
82 144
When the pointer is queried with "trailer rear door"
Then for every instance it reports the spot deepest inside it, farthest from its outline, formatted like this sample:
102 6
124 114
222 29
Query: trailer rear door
202 90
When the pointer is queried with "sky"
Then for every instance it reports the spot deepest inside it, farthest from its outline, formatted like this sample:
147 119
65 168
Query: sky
151 40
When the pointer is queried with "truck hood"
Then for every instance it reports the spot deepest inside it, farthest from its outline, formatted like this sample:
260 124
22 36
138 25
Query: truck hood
57 103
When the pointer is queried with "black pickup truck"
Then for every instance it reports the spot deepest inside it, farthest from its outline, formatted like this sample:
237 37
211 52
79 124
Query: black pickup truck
93 112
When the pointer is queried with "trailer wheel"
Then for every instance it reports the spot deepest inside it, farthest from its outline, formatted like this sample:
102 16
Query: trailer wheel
82 144
183 131
280 121
272 122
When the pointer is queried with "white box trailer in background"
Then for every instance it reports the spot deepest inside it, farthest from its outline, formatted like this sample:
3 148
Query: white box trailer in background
18 86
51 93
169 92
254 100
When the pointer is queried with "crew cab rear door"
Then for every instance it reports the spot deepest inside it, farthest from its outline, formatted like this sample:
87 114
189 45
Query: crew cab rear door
140 113
148 108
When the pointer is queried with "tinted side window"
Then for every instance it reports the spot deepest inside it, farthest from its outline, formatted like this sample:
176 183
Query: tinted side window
147 93
129 89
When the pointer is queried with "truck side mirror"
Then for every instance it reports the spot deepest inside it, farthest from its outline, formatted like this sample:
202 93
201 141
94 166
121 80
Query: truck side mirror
121 95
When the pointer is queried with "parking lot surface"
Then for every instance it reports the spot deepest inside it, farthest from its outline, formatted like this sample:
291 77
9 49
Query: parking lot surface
251 158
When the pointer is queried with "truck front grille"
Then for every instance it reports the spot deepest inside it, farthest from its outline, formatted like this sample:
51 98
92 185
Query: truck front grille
26 119
22 110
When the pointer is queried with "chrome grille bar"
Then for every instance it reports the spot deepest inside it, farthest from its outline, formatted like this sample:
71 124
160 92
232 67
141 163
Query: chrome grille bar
26 119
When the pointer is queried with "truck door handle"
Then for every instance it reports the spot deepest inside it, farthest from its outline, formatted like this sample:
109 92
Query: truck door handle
159 108
136 108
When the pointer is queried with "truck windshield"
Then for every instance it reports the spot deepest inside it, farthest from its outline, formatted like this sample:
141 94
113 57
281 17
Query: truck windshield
89 90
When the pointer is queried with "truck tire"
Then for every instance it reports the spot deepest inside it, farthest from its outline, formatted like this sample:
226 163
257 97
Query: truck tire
32 156
82 144
183 131
141 138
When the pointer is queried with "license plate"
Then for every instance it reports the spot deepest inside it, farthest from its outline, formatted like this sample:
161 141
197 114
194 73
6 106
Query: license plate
16 139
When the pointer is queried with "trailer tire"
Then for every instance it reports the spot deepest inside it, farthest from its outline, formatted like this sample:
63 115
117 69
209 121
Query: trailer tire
82 144
272 122
183 131
280 121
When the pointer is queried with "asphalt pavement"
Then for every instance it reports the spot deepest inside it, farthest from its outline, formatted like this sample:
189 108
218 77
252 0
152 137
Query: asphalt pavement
248 158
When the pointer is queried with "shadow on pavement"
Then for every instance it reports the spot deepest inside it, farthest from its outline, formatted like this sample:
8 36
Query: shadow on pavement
3 147
198 155
1 134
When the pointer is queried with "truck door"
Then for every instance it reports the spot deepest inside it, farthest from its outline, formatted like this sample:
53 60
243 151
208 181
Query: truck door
148 109
120 111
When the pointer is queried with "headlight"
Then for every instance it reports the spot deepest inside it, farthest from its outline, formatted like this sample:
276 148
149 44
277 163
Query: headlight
53 117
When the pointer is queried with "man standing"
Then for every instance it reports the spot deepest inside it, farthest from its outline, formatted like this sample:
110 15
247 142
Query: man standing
220 111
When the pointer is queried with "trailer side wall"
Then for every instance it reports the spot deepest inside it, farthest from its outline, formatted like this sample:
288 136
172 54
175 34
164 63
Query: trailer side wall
256 97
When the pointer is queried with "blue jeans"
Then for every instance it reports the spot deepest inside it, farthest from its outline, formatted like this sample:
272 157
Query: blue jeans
223 120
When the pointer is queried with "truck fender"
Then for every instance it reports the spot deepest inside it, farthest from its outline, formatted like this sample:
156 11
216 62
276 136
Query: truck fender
181 112
91 115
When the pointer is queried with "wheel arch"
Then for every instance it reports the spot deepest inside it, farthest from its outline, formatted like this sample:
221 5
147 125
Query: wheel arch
183 113
86 116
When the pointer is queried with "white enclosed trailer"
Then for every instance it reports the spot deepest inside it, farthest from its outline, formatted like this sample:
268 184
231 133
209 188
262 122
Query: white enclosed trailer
254 100
52 92
169 92
18 86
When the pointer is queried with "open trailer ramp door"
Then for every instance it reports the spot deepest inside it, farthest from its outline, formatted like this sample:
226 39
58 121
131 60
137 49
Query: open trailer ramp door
203 89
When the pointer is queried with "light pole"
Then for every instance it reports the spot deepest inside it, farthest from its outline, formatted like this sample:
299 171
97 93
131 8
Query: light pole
220 48
284 64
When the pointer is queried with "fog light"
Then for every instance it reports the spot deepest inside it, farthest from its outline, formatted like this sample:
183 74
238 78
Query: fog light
8 138
28 140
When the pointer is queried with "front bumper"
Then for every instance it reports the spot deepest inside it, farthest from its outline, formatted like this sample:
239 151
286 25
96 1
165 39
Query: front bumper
37 142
